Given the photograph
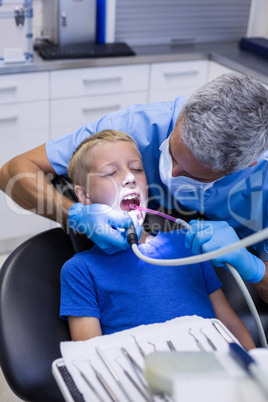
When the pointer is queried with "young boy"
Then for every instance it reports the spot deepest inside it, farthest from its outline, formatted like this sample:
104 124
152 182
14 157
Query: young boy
102 294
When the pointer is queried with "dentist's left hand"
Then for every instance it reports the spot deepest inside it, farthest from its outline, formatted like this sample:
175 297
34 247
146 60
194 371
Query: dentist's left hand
102 225
205 236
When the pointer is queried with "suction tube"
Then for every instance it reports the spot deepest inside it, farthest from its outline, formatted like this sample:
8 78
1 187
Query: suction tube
246 242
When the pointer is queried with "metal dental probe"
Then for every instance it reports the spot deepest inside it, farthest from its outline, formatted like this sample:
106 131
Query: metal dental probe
115 376
105 385
136 368
134 383
170 345
199 344
91 386
209 340
222 332
139 347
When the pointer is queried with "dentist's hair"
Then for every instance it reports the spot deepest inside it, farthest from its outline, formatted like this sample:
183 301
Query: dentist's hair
79 163
224 124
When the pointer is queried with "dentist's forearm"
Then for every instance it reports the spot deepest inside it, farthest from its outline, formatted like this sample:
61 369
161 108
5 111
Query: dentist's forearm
24 180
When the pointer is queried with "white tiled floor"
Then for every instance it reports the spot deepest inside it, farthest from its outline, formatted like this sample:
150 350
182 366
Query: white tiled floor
6 395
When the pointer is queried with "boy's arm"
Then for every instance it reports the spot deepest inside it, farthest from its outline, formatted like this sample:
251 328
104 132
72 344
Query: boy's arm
83 328
225 313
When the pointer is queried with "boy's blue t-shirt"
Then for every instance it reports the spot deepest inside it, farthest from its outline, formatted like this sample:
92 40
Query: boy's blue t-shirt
124 291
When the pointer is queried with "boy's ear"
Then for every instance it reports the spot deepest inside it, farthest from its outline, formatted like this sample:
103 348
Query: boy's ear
82 195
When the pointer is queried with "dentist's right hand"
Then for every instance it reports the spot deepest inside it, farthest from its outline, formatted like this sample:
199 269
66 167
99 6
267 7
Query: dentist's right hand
100 222
206 236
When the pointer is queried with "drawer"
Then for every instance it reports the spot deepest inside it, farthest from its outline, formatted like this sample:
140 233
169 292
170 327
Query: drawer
23 116
16 88
99 80
67 115
179 74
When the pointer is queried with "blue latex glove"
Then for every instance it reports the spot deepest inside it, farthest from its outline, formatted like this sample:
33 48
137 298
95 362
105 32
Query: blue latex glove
205 236
102 225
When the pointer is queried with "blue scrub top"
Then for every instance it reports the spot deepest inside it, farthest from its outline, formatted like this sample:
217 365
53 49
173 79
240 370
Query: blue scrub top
240 198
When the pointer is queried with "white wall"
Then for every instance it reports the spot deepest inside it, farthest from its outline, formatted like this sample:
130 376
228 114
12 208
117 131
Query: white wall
258 19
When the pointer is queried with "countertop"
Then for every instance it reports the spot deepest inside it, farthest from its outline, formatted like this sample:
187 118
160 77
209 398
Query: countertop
226 53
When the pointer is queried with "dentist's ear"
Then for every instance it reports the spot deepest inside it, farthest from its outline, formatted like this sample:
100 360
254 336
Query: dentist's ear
82 195
253 164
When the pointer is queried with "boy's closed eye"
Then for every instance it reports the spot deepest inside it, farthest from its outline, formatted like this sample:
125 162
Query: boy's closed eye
108 174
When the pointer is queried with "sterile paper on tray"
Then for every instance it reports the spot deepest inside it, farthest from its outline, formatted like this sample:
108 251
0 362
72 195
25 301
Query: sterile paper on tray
150 338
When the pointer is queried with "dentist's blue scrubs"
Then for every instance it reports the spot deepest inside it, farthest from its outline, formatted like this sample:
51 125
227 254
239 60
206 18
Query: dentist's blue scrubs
240 198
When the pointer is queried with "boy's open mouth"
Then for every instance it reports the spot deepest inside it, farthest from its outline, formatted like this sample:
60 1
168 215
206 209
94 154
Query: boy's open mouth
129 199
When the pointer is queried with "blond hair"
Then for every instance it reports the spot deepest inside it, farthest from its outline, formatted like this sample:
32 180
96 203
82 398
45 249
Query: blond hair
79 163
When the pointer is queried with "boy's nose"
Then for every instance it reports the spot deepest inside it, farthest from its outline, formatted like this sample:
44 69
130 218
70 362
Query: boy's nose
129 178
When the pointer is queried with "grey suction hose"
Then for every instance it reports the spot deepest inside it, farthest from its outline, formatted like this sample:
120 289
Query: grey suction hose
251 305
247 241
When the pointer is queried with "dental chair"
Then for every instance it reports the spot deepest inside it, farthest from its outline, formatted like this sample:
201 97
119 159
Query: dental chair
30 327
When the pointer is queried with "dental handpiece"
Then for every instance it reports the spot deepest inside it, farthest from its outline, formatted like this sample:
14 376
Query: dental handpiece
132 237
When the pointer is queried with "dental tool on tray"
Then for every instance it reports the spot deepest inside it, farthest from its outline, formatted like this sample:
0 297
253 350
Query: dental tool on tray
132 239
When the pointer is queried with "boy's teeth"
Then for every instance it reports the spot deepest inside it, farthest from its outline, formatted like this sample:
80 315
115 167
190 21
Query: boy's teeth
130 196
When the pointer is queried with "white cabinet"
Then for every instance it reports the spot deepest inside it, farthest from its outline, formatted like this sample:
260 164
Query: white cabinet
182 78
216 69
79 96
24 124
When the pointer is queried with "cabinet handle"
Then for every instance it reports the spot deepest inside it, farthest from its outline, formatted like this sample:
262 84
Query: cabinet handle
88 81
8 87
101 108
12 117
181 73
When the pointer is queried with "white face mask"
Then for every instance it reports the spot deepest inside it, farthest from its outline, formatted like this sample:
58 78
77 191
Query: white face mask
179 184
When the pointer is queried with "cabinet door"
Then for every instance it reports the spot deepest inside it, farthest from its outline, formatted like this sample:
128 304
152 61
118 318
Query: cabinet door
27 87
99 80
216 69
169 80
67 115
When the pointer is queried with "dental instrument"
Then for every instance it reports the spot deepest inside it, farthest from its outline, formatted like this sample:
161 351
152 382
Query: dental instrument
136 368
105 385
246 242
209 341
112 371
222 332
139 347
134 383
199 344
91 386
171 346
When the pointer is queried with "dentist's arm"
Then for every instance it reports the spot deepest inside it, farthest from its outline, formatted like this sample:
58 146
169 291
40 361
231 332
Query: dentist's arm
24 179
205 236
